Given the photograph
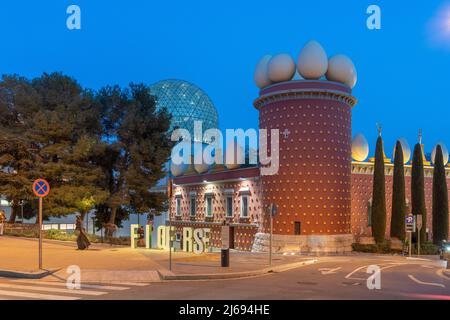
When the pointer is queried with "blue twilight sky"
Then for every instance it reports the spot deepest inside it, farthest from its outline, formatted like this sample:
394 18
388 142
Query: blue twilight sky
403 68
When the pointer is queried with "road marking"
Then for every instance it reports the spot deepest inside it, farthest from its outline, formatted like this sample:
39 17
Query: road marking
441 274
35 295
46 289
64 284
426 283
326 271
349 276
417 259
135 284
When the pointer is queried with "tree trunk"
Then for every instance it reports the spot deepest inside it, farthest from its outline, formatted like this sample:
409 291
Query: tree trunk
12 218
112 218
109 231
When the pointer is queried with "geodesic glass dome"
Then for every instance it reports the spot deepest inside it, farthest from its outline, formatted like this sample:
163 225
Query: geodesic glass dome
187 103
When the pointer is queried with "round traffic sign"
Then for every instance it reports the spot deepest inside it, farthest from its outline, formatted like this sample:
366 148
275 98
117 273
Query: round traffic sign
41 188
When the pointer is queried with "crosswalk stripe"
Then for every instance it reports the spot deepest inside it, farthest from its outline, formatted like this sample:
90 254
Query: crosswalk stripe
34 295
47 289
64 284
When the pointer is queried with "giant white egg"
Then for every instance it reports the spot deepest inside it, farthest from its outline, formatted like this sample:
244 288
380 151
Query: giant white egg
341 69
180 158
444 152
312 61
406 150
360 148
281 68
234 156
261 75
178 169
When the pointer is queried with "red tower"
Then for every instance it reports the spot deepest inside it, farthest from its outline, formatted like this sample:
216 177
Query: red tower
312 188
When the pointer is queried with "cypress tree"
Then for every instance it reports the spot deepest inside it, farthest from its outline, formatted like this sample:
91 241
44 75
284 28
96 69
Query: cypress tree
379 195
440 199
398 196
418 189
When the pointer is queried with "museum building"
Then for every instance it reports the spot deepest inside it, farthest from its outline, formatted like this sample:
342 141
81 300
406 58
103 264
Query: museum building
323 188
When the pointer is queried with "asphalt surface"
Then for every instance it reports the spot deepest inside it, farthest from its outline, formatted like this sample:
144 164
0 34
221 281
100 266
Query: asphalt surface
329 278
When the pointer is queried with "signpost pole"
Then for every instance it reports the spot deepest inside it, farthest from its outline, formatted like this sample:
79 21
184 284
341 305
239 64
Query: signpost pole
410 243
40 233
418 242
41 189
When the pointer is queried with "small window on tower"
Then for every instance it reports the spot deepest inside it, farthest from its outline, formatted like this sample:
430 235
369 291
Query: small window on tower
297 228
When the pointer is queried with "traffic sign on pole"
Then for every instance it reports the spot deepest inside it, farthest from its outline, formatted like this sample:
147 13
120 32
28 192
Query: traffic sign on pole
410 223
41 189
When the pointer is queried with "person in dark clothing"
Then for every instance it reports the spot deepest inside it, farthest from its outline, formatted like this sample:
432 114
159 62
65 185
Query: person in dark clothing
82 240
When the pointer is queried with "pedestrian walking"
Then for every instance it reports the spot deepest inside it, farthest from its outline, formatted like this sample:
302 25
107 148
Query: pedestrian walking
2 222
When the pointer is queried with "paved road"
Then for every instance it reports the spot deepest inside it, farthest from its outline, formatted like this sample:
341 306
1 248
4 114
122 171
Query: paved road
329 278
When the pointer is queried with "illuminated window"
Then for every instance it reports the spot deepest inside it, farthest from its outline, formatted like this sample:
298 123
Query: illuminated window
193 207
209 210
244 206
229 206
178 207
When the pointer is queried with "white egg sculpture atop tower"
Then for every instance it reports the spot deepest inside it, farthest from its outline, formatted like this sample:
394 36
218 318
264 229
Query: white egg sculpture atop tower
406 150
312 61
281 68
261 75
341 69
444 153
360 148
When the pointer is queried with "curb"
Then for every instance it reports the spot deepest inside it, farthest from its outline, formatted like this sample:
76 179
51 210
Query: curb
168 275
26 275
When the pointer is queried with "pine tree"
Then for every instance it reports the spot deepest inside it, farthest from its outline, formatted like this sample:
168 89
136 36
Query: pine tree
51 128
398 196
440 199
135 149
418 189
379 196
18 101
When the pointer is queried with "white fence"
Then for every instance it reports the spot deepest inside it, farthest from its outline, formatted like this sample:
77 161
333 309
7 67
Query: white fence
59 226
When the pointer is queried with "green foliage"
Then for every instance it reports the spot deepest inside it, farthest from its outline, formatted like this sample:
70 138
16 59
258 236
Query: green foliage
440 199
379 196
418 188
426 248
50 128
383 247
135 151
99 150
398 196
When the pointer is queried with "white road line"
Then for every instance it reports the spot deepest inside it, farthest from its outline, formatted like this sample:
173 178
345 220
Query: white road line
417 259
33 295
441 274
135 284
426 283
64 284
47 289
326 271
391 265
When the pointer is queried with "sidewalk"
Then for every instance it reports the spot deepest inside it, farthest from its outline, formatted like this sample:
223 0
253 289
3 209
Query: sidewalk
105 263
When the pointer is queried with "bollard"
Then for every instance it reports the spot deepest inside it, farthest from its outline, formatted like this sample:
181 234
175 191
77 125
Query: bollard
225 257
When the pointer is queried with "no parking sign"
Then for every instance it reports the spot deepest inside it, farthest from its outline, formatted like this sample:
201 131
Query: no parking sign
41 189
